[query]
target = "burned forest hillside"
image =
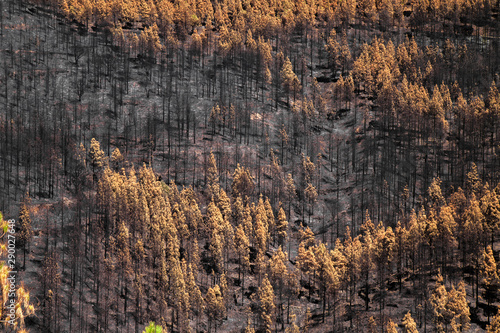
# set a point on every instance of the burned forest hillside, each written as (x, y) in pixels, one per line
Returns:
(249, 166)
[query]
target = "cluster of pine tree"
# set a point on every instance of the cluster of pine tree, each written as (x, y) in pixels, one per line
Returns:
(183, 258)
(182, 17)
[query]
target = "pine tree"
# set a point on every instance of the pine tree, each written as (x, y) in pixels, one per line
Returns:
(216, 224)
(473, 181)
(243, 183)
(307, 170)
(447, 230)
(224, 290)
(277, 266)
(289, 79)
(347, 11)
(401, 236)
(238, 211)
(116, 159)
(490, 207)
(214, 306)
(384, 248)
(391, 327)
(278, 271)
(96, 155)
(409, 325)
(386, 13)
(435, 194)
(179, 293)
(366, 261)
(271, 221)
(438, 300)
(328, 275)
(242, 246)
(224, 204)
(311, 195)
(450, 308)
(266, 305)
(281, 227)
(491, 280)
(458, 309)
(494, 327)
(122, 248)
(122, 251)
(306, 261)
(431, 231)
(346, 57)
(332, 46)
(339, 262)
(212, 176)
(194, 218)
(306, 236)
(248, 224)
(261, 227)
(216, 248)
(150, 41)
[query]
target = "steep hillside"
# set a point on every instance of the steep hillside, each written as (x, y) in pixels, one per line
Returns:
(160, 147)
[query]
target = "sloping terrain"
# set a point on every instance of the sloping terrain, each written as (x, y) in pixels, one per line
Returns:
(361, 122)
